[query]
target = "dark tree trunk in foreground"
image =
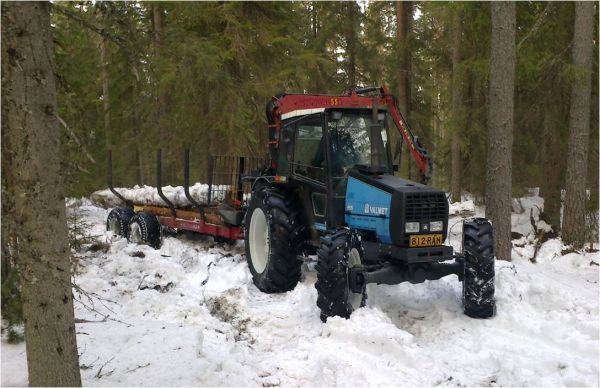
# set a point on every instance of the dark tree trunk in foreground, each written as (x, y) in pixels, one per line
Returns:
(455, 184)
(579, 125)
(498, 193)
(32, 133)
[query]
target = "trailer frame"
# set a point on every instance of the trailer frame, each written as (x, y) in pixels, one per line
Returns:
(220, 220)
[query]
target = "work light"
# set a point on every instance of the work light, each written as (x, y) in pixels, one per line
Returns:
(411, 227)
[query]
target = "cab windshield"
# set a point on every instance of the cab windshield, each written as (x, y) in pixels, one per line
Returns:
(350, 139)
(350, 143)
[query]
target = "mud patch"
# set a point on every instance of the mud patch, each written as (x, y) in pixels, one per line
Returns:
(226, 308)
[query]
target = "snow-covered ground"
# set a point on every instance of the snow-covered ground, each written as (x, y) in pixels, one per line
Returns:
(189, 314)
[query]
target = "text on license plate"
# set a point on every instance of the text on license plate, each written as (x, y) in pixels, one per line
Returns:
(425, 240)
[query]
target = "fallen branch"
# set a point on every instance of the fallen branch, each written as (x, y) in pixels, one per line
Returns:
(136, 368)
(99, 375)
(92, 308)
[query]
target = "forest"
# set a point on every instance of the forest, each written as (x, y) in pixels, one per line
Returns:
(133, 77)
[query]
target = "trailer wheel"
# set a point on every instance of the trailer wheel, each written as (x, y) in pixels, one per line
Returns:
(478, 279)
(272, 234)
(340, 250)
(144, 228)
(118, 219)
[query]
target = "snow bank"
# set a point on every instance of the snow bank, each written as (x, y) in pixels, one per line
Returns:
(148, 195)
(189, 315)
(465, 208)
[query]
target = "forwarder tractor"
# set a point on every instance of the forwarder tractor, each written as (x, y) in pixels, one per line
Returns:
(330, 189)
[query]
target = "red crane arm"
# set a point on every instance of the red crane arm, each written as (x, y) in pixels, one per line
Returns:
(417, 151)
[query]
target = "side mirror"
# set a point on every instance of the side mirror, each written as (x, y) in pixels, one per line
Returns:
(395, 168)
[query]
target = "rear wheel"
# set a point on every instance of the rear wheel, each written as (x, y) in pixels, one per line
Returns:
(144, 228)
(478, 280)
(273, 234)
(117, 221)
(340, 250)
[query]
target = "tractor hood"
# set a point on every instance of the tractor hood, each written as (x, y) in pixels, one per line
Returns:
(385, 203)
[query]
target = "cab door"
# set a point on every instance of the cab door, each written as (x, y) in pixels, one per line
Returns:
(307, 168)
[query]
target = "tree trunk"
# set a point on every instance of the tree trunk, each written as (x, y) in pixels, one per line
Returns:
(579, 126)
(135, 121)
(163, 132)
(351, 40)
(455, 186)
(105, 91)
(162, 101)
(33, 134)
(403, 15)
(551, 175)
(498, 195)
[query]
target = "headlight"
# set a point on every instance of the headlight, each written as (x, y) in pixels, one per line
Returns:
(436, 226)
(411, 227)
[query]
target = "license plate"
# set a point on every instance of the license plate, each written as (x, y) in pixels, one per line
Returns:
(425, 240)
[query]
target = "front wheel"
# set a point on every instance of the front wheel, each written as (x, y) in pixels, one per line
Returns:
(273, 233)
(340, 250)
(478, 279)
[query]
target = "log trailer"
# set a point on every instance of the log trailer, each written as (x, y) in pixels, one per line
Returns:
(328, 187)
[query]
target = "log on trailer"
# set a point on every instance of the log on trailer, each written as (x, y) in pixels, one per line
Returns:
(216, 208)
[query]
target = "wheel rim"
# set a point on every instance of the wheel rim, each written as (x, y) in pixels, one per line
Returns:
(354, 298)
(259, 240)
(114, 226)
(135, 233)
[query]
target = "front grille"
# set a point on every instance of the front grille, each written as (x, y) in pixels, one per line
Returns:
(426, 207)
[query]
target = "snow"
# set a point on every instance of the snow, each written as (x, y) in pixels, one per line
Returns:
(148, 195)
(465, 208)
(189, 314)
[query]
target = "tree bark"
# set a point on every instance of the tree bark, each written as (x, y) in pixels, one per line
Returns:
(162, 100)
(351, 40)
(31, 127)
(574, 228)
(498, 196)
(551, 166)
(457, 96)
(105, 91)
(403, 15)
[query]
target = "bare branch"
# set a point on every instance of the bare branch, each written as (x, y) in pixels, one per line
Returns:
(76, 139)
(91, 26)
(537, 24)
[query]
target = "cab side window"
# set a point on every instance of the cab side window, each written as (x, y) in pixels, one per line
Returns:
(309, 156)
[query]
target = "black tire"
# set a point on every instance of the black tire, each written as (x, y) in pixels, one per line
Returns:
(118, 221)
(333, 288)
(478, 279)
(144, 228)
(275, 266)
